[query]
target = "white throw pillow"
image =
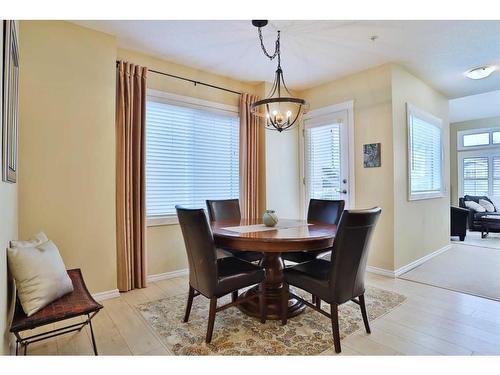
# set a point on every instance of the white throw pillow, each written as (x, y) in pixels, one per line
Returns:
(487, 205)
(39, 272)
(474, 206)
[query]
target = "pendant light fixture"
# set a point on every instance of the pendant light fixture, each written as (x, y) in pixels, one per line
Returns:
(280, 112)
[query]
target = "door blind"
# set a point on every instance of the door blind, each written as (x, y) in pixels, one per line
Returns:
(323, 164)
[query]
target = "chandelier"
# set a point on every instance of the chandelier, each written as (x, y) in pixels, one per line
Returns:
(281, 112)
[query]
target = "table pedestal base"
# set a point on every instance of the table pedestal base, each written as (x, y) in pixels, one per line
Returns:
(273, 289)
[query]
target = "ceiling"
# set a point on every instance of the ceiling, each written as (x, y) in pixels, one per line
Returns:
(314, 52)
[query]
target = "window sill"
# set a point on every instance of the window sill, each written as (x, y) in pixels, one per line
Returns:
(424, 196)
(163, 220)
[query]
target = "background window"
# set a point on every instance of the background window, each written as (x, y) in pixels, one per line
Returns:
(496, 137)
(192, 154)
(475, 178)
(425, 155)
(478, 139)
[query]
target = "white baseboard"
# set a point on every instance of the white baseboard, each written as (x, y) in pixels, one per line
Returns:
(409, 266)
(108, 294)
(418, 262)
(380, 271)
(168, 275)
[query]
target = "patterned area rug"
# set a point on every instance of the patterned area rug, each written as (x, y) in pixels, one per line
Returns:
(235, 333)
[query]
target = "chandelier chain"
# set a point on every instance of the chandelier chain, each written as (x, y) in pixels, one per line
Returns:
(276, 47)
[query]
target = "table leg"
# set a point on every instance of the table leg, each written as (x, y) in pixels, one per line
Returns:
(273, 288)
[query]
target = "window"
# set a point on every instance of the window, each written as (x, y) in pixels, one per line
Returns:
(480, 173)
(192, 154)
(496, 137)
(475, 175)
(478, 139)
(425, 157)
(323, 166)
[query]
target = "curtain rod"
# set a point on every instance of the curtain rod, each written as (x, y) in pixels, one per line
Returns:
(191, 80)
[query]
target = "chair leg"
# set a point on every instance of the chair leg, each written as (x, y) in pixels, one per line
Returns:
(334, 311)
(262, 303)
(284, 304)
(318, 302)
(363, 312)
(234, 296)
(211, 319)
(94, 346)
(313, 299)
(189, 304)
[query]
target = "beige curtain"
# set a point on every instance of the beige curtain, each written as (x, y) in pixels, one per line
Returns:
(130, 176)
(249, 158)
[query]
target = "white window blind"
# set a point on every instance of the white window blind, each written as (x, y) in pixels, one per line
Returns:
(323, 165)
(192, 154)
(425, 155)
(496, 176)
(475, 178)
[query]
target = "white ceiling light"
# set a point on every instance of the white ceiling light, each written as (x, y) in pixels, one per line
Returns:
(481, 72)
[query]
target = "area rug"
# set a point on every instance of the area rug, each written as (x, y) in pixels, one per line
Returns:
(235, 333)
(463, 268)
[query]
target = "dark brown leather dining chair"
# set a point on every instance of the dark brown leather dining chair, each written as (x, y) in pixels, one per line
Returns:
(229, 210)
(319, 211)
(212, 277)
(343, 278)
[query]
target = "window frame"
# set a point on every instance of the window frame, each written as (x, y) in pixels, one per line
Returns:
(490, 153)
(189, 102)
(462, 133)
(413, 111)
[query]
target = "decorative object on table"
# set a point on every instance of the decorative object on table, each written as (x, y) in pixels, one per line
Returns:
(270, 219)
(280, 112)
(238, 334)
(39, 272)
(371, 155)
(10, 99)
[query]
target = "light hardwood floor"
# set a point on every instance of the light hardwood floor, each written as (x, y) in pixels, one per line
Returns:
(432, 321)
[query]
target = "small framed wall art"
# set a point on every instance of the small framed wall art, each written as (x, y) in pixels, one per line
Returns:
(371, 155)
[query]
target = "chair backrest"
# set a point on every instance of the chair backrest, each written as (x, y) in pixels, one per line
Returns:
(200, 248)
(350, 253)
(224, 209)
(325, 211)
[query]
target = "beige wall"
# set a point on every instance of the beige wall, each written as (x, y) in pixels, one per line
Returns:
(165, 246)
(491, 122)
(422, 226)
(8, 231)
(371, 92)
(66, 144)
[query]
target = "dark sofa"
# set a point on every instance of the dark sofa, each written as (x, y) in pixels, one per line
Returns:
(458, 222)
(473, 220)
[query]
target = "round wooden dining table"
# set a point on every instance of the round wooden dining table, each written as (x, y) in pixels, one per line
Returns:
(287, 236)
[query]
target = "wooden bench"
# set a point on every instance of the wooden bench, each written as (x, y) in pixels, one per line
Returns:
(74, 304)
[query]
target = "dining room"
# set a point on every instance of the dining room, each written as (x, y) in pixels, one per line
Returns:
(207, 187)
